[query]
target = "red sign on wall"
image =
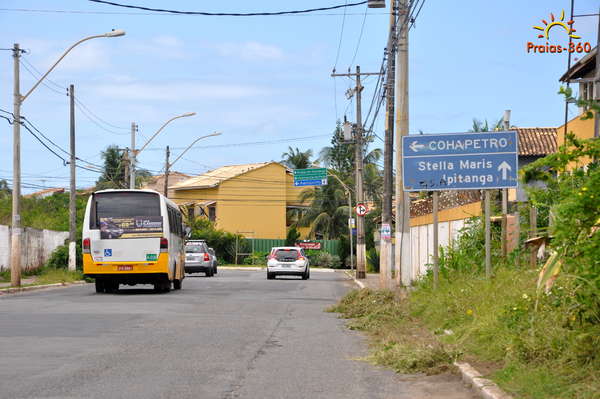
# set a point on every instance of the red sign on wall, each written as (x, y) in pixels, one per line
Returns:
(309, 245)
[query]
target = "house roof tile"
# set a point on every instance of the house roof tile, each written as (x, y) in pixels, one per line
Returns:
(536, 140)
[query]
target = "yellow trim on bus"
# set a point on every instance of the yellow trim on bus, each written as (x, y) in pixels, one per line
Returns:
(160, 266)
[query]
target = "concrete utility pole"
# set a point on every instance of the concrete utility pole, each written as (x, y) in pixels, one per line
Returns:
(72, 190)
(402, 255)
(166, 189)
(126, 165)
(506, 125)
(15, 244)
(436, 249)
(386, 256)
(488, 234)
(132, 158)
(361, 253)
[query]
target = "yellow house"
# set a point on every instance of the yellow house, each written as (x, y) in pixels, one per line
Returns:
(250, 199)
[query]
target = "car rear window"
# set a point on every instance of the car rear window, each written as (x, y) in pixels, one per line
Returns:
(195, 247)
(286, 255)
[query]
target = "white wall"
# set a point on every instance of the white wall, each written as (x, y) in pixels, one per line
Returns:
(37, 245)
(421, 238)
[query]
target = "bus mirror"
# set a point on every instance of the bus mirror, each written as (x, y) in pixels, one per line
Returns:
(188, 231)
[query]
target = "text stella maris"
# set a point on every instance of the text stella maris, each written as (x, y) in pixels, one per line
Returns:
(451, 165)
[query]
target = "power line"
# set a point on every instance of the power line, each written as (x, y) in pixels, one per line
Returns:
(337, 56)
(223, 14)
(362, 28)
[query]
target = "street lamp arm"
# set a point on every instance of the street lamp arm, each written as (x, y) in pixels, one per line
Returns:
(109, 34)
(191, 145)
(339, 180)
(137, 152)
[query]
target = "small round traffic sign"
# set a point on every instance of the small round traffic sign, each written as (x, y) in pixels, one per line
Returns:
(361, 209)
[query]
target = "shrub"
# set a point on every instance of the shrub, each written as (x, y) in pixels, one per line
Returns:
(59, 259)
(372, 261)
(256, 258)
(292, 237)
(325, 259)
(222, 242)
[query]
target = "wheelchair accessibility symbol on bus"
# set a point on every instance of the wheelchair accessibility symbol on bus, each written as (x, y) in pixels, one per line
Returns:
(108, 252)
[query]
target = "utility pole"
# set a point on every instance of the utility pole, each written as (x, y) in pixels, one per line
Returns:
(361, 253)
(133, 157)
(126, 166)
(386, 256)
(15, 245)
(506, 122)
(73, 190)
(488, 234)
(436, 249)
(402, 255)
(166, 190)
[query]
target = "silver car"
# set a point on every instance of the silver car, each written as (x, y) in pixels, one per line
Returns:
(198, 258)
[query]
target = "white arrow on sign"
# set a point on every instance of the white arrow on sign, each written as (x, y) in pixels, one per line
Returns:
(415, 146)
(504, 167)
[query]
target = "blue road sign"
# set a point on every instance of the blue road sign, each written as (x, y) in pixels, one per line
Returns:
(310, 177)
(459, 161)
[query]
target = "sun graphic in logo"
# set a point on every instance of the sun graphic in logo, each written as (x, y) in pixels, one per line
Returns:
(567, 26)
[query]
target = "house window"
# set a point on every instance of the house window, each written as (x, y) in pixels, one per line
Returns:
(212, 213)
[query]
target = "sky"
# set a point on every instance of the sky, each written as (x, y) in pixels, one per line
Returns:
(264, 82)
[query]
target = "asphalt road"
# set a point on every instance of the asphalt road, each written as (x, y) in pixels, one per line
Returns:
(236, 335)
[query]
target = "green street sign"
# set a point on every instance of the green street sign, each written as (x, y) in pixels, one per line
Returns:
(310, 177)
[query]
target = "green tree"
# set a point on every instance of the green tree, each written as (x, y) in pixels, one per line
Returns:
(296, 159)
(484, 126)
(339, 156)
(327, 212)
(113, 175)
(5, 191)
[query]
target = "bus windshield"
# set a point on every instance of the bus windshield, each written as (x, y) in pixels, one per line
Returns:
(123, 205)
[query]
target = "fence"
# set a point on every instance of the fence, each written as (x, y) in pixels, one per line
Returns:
(36, 246)
(265, 245)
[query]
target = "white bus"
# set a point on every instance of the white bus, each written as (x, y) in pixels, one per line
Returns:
(133, 237)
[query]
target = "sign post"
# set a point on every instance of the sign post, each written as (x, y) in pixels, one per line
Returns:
(461, 161)
(310, 177)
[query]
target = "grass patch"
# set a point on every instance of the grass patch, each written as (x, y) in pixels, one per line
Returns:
(52, 276)
(46, 275)
(398, 340)
(546, 353)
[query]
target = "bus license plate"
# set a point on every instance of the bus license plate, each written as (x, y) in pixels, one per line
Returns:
(124, 268)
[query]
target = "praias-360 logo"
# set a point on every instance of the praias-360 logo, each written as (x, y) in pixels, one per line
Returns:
(555, 26)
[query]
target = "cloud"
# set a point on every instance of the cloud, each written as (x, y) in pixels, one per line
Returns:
(250, 51)
(86, 56)
(181, 91)
(163, 46)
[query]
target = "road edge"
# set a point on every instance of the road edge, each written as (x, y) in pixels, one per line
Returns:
(358, 282)
(14, 290)
(487, 389)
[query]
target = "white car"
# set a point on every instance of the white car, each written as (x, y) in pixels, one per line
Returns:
(287, 261)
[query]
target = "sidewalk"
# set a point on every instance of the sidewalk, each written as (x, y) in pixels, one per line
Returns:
(24, 281)
(372, 280)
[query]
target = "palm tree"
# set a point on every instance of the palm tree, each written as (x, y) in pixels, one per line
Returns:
(327, 211)
(296, 159)
(113, 175)
(483, 126)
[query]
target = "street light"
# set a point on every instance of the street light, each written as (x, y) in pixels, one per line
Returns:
(18, 99)
(135, 153)
(168, 165)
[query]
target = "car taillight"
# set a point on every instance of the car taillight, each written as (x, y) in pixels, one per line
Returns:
(86, 245)
(164, 244)
(301, 258)
(206, 257)
(270, 257)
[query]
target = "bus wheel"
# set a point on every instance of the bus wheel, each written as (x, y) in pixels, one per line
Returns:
(111, 287)
(99, 286)
(177, 284)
